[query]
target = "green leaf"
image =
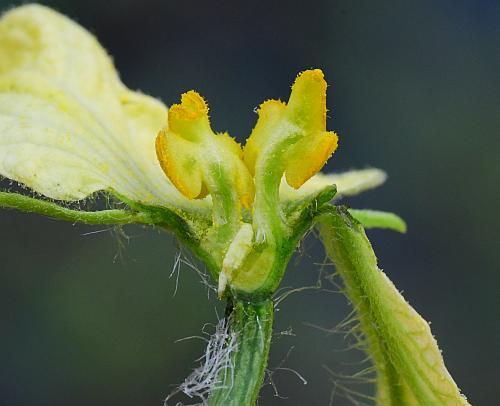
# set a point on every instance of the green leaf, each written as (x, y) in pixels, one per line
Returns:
(379, 219)
(409, 365)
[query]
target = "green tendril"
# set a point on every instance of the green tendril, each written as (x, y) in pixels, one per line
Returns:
(379, 219)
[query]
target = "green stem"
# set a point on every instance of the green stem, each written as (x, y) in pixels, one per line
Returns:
(252, 322)
(410, 368)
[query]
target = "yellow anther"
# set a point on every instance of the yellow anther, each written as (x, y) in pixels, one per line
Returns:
(193, 156)
(307, 103)
(192, 107)
(302, 121)
(178, 158)
(308, 156)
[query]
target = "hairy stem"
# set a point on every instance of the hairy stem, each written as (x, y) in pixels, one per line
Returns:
(253, 323)
(410, 368)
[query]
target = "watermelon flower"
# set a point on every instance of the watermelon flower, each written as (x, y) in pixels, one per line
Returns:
(69, 128)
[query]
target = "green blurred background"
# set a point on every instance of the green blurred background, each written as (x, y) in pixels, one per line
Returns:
(90, 318)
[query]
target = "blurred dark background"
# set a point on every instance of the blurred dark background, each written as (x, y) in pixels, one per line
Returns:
(88, 317)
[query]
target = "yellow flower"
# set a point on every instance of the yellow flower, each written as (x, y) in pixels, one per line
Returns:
(69, 127)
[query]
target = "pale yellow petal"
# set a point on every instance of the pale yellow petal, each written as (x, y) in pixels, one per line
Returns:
(348, 183)
(68, 126)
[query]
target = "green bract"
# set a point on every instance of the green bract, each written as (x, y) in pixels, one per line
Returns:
(69, 128)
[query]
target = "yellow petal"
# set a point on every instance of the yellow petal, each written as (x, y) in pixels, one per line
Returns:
(68, 126)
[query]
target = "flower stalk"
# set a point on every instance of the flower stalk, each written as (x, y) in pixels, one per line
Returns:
(241, 381)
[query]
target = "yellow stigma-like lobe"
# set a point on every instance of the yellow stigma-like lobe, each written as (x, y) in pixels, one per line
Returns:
(303, 118)
(193, 156)
(190, 118)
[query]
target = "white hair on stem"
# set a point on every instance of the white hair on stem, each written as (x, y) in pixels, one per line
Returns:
(355, 388)
(183, 258)
(216, 370)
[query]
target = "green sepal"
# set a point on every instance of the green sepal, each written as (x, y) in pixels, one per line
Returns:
(299, 218)
(28, 204)
(379, 219)
(308, 205)
(189, 228)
